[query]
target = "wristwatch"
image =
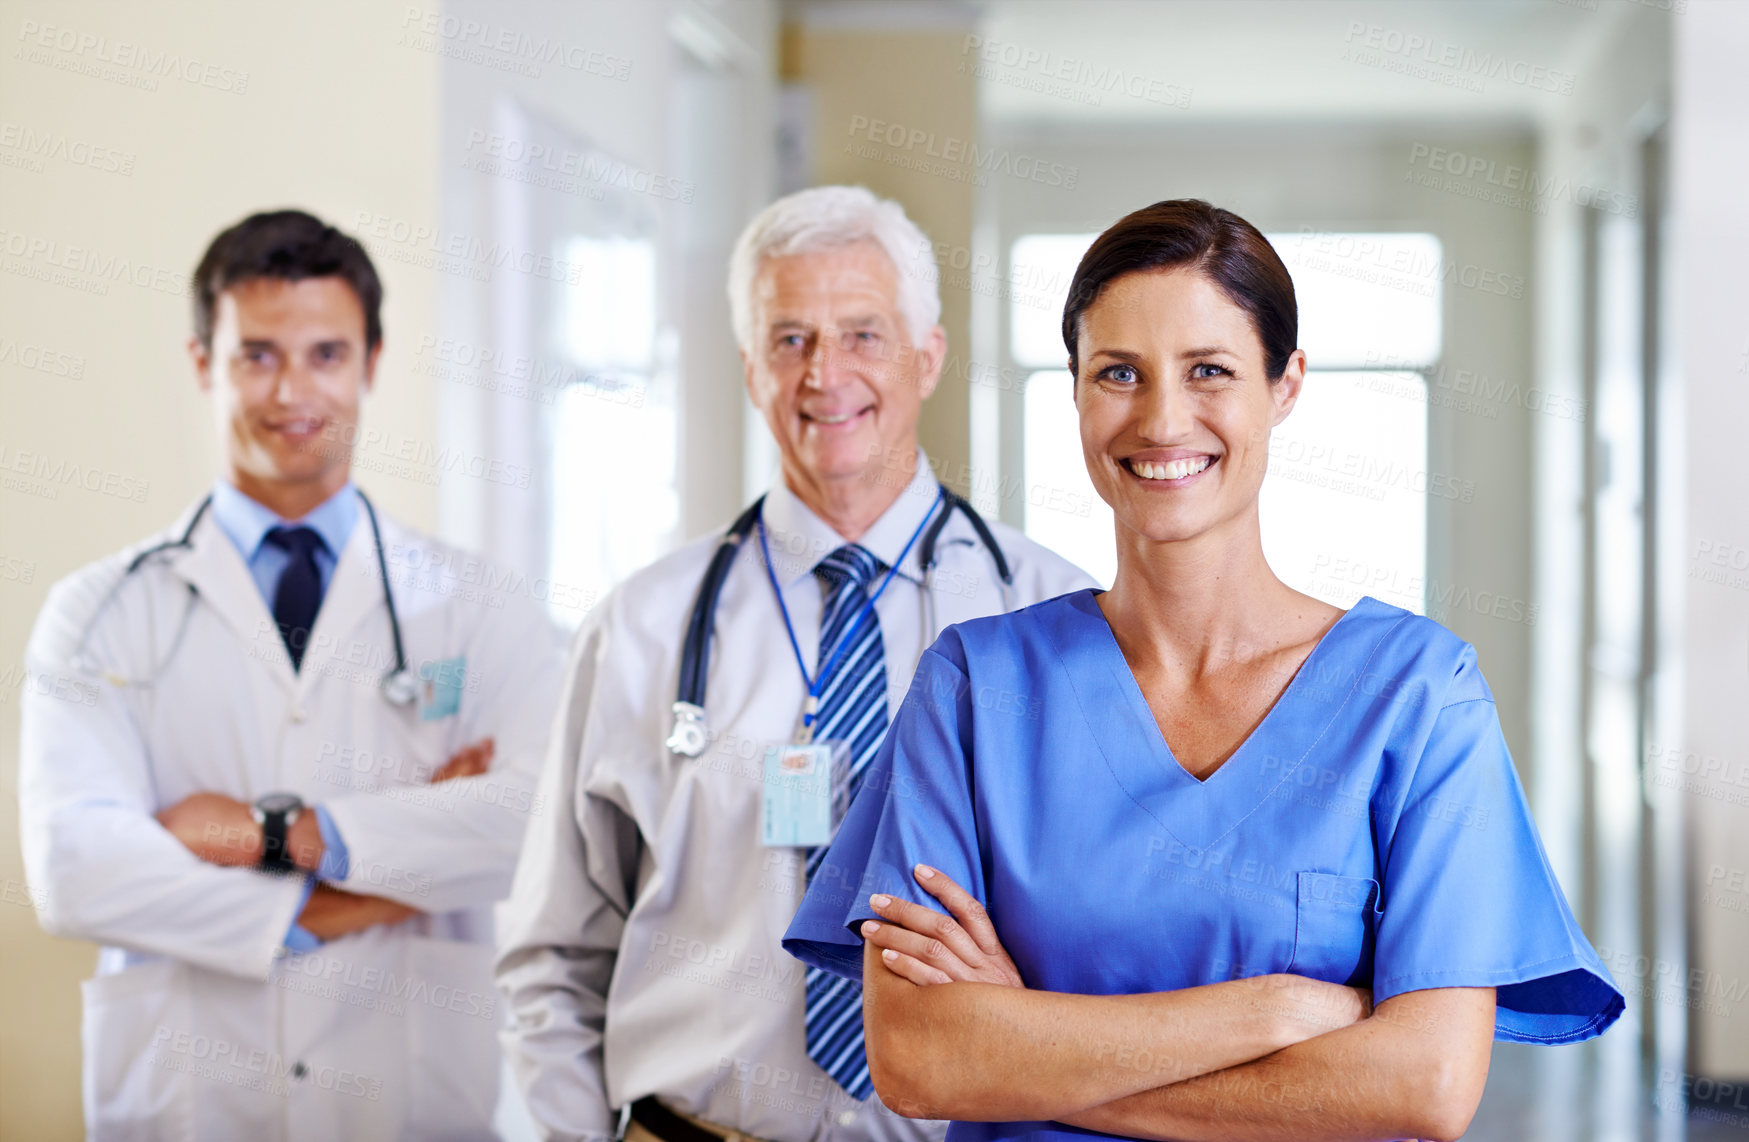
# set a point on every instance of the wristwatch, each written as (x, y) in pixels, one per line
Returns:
(275, 813)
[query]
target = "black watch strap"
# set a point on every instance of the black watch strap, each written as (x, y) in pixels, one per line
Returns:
(274, 854)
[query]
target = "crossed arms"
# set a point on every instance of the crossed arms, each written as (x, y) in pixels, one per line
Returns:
(221, 830)
(1266, 1058)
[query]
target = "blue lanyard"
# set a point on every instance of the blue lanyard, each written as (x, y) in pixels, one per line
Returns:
(811, 708)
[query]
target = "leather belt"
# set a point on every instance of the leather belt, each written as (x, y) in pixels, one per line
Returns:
(669, 1126)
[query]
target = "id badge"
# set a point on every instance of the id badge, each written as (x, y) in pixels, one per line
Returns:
(797, 808)
(440, 687)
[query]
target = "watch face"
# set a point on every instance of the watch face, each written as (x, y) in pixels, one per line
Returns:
(279, 803)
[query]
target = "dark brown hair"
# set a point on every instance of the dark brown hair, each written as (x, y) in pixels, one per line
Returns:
(1224, 247)
(290, 245)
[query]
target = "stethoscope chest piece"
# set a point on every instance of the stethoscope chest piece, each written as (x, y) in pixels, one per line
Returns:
(688, 737)
(400, 688)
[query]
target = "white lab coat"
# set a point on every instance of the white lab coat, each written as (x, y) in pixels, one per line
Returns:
(198, 1025)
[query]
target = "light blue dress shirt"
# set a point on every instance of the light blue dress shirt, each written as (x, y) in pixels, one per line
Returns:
(246, 522)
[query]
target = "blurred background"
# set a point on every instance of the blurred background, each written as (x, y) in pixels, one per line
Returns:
(1517, 230)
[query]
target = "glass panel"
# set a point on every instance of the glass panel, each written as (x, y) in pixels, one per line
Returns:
(615, 416)
(1063, 512)
(599, 537)
(1368, 300)
(1040, 267)
(1344, 508)
(609, 323)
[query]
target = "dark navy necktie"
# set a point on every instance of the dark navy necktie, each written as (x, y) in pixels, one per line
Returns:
(299, 595)
(853, 710)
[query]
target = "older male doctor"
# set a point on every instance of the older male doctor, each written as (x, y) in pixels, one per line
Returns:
(286, 761)
(640, 949)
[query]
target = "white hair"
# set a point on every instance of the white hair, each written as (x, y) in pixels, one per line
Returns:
(824, 217)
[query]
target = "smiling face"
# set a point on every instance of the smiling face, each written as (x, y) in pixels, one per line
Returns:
(286, 370)
(1176, 406)
(833, 367)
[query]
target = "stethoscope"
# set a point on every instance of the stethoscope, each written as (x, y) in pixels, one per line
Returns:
(690, 734)
(399, 686)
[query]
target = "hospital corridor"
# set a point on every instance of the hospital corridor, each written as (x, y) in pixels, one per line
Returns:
(874, 570)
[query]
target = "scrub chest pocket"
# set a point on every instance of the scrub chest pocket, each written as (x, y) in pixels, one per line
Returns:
(1336, 920)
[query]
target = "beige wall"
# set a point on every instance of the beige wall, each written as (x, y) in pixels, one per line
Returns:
(328, 112)
(873, 83)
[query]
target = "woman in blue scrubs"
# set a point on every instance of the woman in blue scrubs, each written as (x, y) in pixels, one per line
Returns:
(1227, 862)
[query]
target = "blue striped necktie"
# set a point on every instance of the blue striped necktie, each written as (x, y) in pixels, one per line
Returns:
(853, 709)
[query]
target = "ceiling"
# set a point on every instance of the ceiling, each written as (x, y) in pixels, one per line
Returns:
(1119, 62)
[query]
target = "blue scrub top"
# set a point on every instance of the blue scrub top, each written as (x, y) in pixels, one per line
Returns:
(1371, 830)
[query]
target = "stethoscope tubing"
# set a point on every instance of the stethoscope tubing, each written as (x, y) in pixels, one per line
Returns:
(689, 734)
(397, 685)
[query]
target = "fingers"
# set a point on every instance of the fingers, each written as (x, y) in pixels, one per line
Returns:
(469, 761)
(908, 967)
(964, 906)
(930, 924)
(926, 950)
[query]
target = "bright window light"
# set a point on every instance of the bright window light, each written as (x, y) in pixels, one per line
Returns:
(610, 320)
(1039, 273)
(1344, 507)
(614, 502)
(1367, 301)
(1063, 512)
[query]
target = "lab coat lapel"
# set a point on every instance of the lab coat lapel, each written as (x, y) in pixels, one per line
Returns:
(214, 567)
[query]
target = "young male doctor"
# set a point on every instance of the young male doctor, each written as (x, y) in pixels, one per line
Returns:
(288, 761)
(693, 779)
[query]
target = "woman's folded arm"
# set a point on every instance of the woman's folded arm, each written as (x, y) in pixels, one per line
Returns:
(1414, 1068)
(982, 1052)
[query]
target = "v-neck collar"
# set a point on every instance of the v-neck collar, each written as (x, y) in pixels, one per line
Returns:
(1138, 755)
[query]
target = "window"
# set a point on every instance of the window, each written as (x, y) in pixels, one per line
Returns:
(1344, 508)
(614, 501)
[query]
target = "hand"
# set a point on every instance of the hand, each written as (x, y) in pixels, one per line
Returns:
(1311, 1007)
(333, 912)
(925, 947)
(469, 761)
(216, 828)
